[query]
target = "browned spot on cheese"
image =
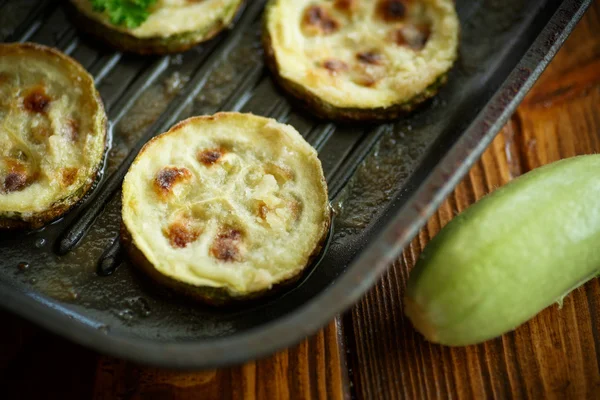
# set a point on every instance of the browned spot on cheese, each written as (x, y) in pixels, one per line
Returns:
(210, 156)
(368, 82)
(370, 57)
(263, 210)
(180, 233)
(15, 181)
(13, 163)
(68, 176)
(295, 206)
(72, 129)
(364, 78)
(281, 173)
(318, 21)
(335, 66)
(345, 5)
(17, 178)
(37, 101)
(391, 10)
(226, 246)
(413, 36)
(168, 177)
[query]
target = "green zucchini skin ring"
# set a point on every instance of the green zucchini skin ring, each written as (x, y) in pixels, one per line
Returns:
(126, 42)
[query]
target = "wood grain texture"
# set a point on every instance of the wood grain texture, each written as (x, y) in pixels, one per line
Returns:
(35, 364)
(555, 355)
(314, 369)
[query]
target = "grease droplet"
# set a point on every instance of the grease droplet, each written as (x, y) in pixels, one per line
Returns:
(139, 306)
(72, 294)
(126, 314)
(177, 59)
(23, 266)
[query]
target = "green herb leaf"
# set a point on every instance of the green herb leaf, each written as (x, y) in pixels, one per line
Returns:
(129, 13)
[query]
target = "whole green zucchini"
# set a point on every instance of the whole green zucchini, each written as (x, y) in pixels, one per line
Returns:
(510, 255)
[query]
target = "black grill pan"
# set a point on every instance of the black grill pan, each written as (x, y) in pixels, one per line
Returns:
(384, 180)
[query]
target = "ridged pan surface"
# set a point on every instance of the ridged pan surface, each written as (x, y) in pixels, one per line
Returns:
(384, 180)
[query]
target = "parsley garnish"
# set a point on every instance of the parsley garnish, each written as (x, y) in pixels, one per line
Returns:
(130, 13)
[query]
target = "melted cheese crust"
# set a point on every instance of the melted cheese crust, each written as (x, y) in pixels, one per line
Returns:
(231, 201)
(52, 129)
(172, 17)
(363, 54)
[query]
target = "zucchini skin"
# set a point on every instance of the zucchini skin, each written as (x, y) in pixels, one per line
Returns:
(510, 255)
(325, 110)
(157, 45)
(38, 220)
(212, 296)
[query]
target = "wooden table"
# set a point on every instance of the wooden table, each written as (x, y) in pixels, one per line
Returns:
(372, 351)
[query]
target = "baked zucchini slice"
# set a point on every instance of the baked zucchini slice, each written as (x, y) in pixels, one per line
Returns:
(226, 207)
(52, 134)
(361, 59)
(172, 25)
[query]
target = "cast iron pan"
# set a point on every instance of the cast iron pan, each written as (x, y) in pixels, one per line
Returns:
(385, 180)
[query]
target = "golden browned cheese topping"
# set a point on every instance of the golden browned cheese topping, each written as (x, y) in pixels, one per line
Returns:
(226, 246)
(211, 156)
(180, 233)
(168, 177)
(318, 21)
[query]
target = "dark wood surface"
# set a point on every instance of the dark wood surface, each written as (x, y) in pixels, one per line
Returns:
(372, 352)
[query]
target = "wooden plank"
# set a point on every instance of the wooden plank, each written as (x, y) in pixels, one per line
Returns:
(14, 336)
(555, 355)
(315, 369)
(39, 365)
